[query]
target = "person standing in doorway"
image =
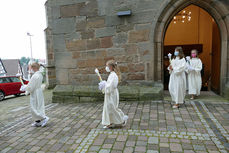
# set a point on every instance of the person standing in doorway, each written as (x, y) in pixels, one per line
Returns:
(177, 80)
(194, 66)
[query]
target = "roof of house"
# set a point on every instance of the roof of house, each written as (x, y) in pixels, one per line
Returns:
(2, 68)
(11, 66)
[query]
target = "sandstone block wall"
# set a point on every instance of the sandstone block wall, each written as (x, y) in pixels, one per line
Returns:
(84, 34)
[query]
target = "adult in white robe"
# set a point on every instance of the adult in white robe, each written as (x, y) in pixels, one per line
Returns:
(194, 66)
(112, 115)
(177, 80)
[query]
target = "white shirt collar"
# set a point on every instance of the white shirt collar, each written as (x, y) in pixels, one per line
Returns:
(177, 57)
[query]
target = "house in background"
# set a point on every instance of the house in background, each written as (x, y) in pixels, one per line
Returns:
(13, 67)
(2, 69)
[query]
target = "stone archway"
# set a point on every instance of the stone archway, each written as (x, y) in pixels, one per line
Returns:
(216, 9)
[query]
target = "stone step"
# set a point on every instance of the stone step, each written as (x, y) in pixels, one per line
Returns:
(71, 93)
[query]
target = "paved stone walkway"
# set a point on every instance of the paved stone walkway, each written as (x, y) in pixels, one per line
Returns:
(12, 108)
(152, 127)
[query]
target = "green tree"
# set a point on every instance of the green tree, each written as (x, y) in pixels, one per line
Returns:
(24, 60)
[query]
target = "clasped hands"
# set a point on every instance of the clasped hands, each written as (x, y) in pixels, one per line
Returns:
(190, 68)
(102, 85)
(23, 87)
(170, 67)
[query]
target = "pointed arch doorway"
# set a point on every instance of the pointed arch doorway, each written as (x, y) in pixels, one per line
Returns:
(218, 11)
(194, 28)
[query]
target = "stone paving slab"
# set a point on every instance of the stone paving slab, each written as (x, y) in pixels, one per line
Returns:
(12, 108)
(152, 127)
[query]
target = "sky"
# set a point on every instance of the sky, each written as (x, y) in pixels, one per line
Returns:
(17, 18)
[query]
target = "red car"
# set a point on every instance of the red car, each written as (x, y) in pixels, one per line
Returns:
(10, 85)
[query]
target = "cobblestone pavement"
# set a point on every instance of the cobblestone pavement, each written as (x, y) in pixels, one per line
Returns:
(12, 108)
(152, 127)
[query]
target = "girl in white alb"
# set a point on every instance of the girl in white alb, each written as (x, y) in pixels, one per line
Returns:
(194, 66)
(112, 116)
(177, 80)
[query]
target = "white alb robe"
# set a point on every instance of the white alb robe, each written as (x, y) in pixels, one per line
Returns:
(194, 76)
(111, 113)
(36, 96)
(177, 80)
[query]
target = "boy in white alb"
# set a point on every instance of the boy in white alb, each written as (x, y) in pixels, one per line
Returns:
(36, 97)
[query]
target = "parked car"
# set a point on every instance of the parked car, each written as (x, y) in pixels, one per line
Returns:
(10, 85)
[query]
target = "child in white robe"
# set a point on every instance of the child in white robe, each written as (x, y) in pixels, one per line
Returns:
(36, 97)
(194, 66)
(177, 80)
(112, 116)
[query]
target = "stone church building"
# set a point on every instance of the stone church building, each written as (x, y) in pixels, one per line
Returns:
(83, 34)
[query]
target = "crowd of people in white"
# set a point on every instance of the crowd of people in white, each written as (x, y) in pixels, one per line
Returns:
(179, 68)
(112, 116)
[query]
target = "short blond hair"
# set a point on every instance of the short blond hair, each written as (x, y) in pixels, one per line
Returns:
(35, 65)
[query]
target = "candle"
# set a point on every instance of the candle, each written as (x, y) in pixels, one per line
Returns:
(21, 80)
(170, 55)
(97, 72)
(188, 59)
(100, 78)
(19, 77)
